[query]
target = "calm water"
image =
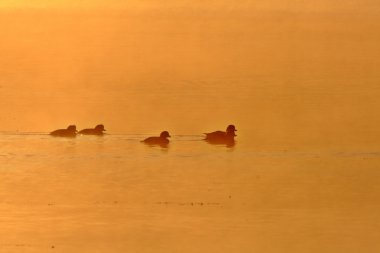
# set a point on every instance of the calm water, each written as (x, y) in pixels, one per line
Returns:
(115, 194)
(302, 89)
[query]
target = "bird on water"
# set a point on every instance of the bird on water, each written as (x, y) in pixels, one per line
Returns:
(70, 131)
(161, 140)
(221, 137)
(98, 130)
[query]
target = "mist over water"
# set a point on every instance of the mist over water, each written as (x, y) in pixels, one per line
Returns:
(269, 72)
(301, 87)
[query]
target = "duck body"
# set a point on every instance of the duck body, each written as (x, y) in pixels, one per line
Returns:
(70, 131)
(221, 137)
(156, 141)
(218, 136)
(159, 140)
(98, 130)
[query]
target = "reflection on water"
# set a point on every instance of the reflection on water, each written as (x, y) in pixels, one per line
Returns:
(227, 143)
(112, 194)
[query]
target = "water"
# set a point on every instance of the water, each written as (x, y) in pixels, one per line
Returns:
(113, 194)
(301, 88)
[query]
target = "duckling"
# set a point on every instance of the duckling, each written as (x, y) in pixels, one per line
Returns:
(220, 137)
(98, 130)
(70, 131)
(161, 140)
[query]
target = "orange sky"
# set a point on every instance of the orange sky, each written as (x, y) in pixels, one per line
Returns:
(295, 5)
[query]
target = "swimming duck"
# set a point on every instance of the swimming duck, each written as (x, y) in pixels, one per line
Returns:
(98, 130)
(161, 140)
(70, 131)
(220, 137)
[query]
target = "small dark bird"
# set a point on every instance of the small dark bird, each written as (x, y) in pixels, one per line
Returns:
(98, 130)
(220, 137)
(162, 140)
(70, 131)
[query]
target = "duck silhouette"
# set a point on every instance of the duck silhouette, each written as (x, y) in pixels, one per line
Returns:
(70, 131)
(98, 130)
(221, 137)
(161, 140)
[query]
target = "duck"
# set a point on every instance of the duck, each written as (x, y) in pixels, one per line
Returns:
(161, 140)
(221, 137)
(70, 131)
(98, 130)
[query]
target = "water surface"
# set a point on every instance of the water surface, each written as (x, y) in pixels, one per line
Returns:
(113, 194)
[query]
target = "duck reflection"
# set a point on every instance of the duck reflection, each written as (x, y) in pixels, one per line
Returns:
(161, 140)
(70, 131)
(222, 138)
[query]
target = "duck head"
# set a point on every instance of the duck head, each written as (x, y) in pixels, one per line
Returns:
(72, 128)
(165, 134)
(100, 128)
(231, 130)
